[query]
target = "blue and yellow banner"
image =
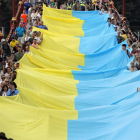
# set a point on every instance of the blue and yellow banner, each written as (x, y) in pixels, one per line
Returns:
(76, 86)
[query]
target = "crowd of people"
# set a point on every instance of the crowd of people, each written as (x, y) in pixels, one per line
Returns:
(23, 37)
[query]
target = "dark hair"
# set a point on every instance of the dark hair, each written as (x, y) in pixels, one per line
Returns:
(130, 42)
(123, 31)
(14, 84)
(4, 87)
(3, 138)
(124, 45)
(13, 37)
(9, 68)
(2, 134)
(134, 46)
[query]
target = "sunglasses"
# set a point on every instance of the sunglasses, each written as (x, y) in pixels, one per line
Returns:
(3, 78)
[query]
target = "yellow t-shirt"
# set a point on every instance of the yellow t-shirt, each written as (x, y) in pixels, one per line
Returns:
(94, 2)
(124, 36)
(13, 43)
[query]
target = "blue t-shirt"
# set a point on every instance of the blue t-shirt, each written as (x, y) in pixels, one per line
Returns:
(20, 31)
(12, 93)
(42, 27)
(27, 5)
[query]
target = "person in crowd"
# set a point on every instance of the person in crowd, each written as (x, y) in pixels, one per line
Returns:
(27, 6)
(90, 7)
(133, 67)
(58, 4)
(119, 38)
(13, 42)
(29, 14)
(4, 90)
(15, 49)
(69, 5)
(17, 64)
(64, 6)
(19, 54)
(116, 26)
(123, 34)
(2, 78)
(24, 17)
(129, 42)
(126, 50)
(39, 38)
(20, 31)
(134, 51)
(39, 15)
(82, 3)
(41, 26)
(27, 49)
(6, 49)
(8, 71)
(12, 89)
(138, 63)
(102, 12)
(35, 44)
(33, 15)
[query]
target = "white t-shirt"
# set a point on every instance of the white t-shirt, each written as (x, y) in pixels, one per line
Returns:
(33, 16)
(37, 39)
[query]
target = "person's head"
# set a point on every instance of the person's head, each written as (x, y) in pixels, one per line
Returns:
(129, 42)
(40, 12)
(27, 1)
(2, 134)
(134, 47)
(33, 11)
(65, 3)
(129, 35)
(124, 46)
(33, 35)
(12, 55)
(5, 88)
(27, 49)
(138, 59)
(109, 19)
(118, 33)
(17, 44)
(20, 24)
(27, 43)
(34, 41)
(17, 64)
(123, 32)
(102, 10)
(15, 73)
(12, 85)
(19, 49)
(9, 70)
(110, 10)
(3, 41)
(41, 23)
(6, 82)
(24, 12)
(69, 1)
(13, 39)
(10, 63)
(3, 77)
(132, 64)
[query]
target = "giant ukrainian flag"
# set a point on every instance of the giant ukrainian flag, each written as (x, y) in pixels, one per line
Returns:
(75, 86)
